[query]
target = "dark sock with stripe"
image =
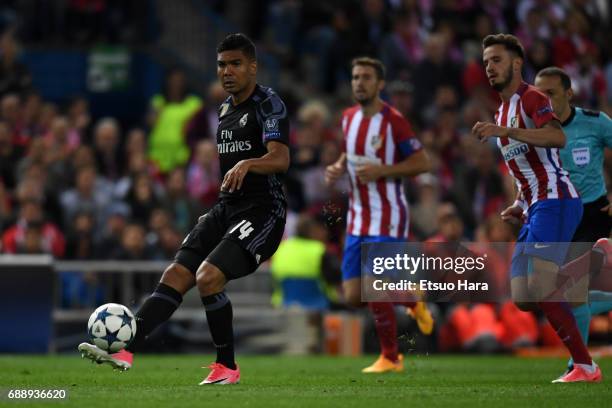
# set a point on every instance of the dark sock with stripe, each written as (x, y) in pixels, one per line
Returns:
(156, 310)
(219, 315)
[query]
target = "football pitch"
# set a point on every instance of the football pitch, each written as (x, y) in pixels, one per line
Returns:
(274, 381)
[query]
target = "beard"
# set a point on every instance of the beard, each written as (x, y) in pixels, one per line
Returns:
(508, 78)
(365, 100)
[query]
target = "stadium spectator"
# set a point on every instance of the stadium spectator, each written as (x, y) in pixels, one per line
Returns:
(142, 198)
(32, 234)
(450, 225)
(14, 76)
(137, 165)
(134, 246)
(535, 28)
(478, 191)
(306, 157)
(10, 113)
(588, 80)
(572, 41)
(435, 70)
(305, 275)
(423, 213)
(10, 155)
(443, 140)
(136, 143)
(58, 148)
(107, 148)
(32, 109)
(401, 96)
(538, 57)
(170, 113)
(48, 113)
(110, 239)
(83, 156)
(32, 186)
(552, 10)
(80, 241)
(203, 174)
(203, 124)
(79, 119)
(91, 193)
(169, 242)
(176, 200)
(6, 210)
(403, 47)
(160, 219)
(376, 22)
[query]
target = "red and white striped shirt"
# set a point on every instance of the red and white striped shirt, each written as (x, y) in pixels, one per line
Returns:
(377, 208)
(537, 170)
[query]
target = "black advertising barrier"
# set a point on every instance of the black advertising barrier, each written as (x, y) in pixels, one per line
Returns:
(26, 303)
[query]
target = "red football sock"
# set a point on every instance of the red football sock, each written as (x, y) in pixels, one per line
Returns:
(386, 328)
(562, 320)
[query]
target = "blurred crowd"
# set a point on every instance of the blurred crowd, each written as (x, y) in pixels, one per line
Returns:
(435, 77)
(79, 22)
(83, 187)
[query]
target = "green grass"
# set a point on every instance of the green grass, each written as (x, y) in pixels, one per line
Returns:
(273, 381)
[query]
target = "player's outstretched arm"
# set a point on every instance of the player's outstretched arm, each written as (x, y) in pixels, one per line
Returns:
(275, 161)
(549, 135)
(413, 165)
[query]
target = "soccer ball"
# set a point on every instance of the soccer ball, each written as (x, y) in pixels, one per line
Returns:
(111, 327)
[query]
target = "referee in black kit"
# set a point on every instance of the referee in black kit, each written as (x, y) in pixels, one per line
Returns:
(245, 226)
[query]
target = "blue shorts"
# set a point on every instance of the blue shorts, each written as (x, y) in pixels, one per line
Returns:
(551, 224)
(351, 258)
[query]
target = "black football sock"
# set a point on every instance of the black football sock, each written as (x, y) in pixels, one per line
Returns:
(156, 310)
(219, 315)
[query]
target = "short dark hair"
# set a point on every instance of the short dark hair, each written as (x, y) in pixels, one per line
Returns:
(510, 42)
(377, 64)
(556, 71)
(238, 41)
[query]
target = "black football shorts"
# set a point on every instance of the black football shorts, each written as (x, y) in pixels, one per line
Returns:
(235, 235)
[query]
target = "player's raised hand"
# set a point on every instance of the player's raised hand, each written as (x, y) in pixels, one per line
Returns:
(235, 176)
(484, 130)
(513, 215)
(334, 171)
(369, 172)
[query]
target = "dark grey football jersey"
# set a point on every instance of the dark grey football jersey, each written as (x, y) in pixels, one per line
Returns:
(243, 132)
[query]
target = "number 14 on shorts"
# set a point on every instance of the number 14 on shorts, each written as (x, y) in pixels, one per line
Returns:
(245, 229)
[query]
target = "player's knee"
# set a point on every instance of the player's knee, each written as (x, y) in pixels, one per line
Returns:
(178, 277)
(209, 279)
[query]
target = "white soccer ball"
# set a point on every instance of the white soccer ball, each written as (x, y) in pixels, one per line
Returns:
(111, 327)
